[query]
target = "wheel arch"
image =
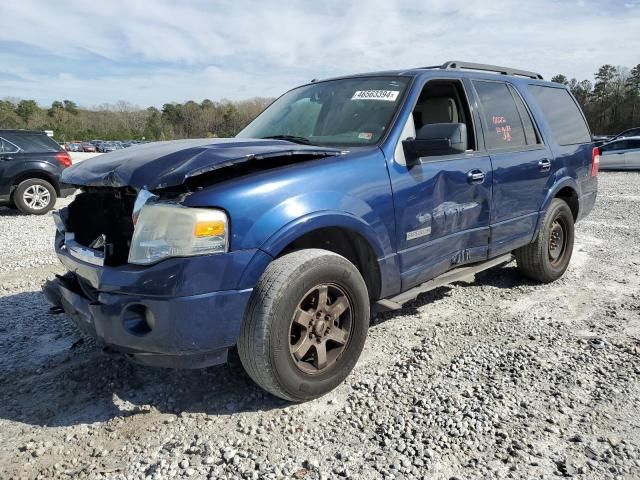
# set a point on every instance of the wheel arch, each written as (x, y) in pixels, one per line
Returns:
(337, 232)
(570, 196)
(347, 243)
(40, 174)
(567, 189)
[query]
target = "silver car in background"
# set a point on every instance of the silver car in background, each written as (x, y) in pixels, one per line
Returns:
(621, 154)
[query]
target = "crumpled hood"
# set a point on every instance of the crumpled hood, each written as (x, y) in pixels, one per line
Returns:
(165, 164)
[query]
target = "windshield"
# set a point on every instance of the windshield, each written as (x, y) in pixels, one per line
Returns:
(347, 112)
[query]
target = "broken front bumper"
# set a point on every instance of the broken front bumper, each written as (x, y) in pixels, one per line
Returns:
(181, 313)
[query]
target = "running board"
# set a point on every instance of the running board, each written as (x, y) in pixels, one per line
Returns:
(455, 275)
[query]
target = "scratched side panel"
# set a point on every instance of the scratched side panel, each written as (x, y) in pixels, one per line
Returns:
(436, 197)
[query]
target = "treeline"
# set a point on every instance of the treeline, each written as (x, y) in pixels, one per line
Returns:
(124, 121)
(611, 103)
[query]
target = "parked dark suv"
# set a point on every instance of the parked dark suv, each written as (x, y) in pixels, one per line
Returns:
(30, 168)
(360, 190)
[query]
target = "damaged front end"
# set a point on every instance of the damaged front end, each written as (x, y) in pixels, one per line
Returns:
(147, 275)
(159, 313)
(97, 227)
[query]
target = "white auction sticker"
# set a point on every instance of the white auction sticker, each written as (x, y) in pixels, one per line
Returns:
(385, 95)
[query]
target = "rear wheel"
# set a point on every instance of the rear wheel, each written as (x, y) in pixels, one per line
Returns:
(34, 196)
(547, 258)
(306, 324)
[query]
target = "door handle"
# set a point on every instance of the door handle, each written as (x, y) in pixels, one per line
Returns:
(475, 176)
(6, 158)
(544, 164)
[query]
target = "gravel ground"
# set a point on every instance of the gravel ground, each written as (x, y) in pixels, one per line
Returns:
(501, 378)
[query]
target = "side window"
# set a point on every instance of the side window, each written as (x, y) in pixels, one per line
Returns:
(444, 101)
(36, 143)
(6, 147)
(501, 116)
(530, 134)
(612, 147)
(563, 115)
(634, 144)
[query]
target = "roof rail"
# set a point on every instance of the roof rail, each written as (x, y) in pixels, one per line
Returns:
(457, 65)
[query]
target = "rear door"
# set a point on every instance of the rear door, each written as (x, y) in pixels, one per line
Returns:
(10, 155)
(522, 164)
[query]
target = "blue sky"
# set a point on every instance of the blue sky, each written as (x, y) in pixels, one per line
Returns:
(149, 52)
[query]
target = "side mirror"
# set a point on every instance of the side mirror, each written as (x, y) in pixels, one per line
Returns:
(436, 139)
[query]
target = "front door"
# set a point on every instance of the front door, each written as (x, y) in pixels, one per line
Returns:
(442, 203)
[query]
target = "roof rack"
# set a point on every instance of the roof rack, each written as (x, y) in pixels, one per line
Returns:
(457, 65)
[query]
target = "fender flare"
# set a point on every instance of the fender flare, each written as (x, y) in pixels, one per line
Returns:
(551, 194)
(277, 242)
(317, 220)
(42, 174)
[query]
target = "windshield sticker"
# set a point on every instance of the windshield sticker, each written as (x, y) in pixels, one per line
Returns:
(365, 135)
(384, 95)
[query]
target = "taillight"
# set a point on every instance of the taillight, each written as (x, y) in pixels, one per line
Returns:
(64, 159)
(595, 161)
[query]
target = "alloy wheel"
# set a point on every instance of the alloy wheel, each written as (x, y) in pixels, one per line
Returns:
(36, 197)
(320, 328)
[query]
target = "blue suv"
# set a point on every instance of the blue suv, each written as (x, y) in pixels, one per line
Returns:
(344, 193)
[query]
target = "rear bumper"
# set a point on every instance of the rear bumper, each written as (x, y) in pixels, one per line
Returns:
(179, 313)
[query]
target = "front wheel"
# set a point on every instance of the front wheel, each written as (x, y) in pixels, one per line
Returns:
(34, 196)
(547, 258)
(305, 325)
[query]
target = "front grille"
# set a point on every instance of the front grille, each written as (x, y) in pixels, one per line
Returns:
(100, 218)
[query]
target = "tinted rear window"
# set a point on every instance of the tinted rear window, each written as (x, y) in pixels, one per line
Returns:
(563, 115)
(33, 142)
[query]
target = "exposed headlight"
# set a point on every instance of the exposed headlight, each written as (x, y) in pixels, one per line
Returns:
(166, 230)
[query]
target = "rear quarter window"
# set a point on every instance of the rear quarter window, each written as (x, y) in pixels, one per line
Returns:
(563, 115)
(34, 143)
(6, 147)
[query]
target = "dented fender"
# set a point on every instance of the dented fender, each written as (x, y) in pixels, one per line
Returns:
(270, 209)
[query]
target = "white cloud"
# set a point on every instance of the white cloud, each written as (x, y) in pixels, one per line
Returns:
(202, 48)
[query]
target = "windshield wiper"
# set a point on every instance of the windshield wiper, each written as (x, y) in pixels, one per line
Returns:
(290, 138)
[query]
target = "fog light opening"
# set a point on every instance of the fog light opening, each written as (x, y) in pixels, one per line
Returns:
(137, 320)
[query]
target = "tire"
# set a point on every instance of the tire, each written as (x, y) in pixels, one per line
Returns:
(272, 339)
(34, 196)
(547, 258)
